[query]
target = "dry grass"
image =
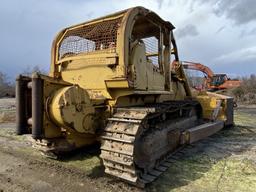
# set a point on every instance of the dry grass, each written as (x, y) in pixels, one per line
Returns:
(7, 110)
(7, 117)
(222, 162)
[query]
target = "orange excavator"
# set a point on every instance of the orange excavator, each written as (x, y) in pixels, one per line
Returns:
(213, 82)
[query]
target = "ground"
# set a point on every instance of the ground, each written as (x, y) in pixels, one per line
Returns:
(225, 161)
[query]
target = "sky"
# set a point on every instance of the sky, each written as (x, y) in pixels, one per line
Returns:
(218, 33)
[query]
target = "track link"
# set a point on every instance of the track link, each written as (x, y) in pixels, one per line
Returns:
(117, 149)
(119, 142)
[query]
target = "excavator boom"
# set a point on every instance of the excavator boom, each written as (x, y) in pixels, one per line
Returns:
(198, 67)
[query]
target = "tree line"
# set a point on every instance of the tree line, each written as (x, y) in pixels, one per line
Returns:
(7, 86)
(246, 93)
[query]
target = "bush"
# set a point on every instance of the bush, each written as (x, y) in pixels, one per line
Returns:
(238, 92)
(246, 93)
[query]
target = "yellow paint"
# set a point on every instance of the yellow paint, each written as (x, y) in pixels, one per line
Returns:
(87, 80)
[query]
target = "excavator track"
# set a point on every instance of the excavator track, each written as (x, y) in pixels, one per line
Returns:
(130, 128)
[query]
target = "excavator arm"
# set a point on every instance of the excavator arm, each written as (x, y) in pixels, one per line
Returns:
(198, 67)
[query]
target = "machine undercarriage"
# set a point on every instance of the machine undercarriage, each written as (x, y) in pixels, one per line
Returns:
(138, 141)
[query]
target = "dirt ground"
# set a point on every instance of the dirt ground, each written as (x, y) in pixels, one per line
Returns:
(225, 161)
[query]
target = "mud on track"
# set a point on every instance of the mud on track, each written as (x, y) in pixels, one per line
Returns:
(225, 161)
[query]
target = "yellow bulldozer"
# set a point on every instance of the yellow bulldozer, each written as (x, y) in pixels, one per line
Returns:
(110, 81)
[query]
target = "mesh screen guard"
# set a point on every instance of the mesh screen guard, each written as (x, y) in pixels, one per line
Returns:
(99, 37)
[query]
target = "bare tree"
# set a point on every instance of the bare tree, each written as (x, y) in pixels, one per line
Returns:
(7, 89)
(247, 91)
(28, 71)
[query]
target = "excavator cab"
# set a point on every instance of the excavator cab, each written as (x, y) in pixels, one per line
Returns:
(218, 79)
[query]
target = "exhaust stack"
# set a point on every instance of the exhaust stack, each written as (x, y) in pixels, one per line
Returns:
(23, 104)
(29, 103)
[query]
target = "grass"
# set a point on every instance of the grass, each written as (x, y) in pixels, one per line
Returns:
(87, 160)
(223, 162)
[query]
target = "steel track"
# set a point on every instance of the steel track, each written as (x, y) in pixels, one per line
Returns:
(124, 128)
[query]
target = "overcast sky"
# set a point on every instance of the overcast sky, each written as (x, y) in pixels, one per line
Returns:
(217, 33)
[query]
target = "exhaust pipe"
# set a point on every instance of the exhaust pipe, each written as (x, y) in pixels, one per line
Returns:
(37, 106)
(29, 104)
(23, 95)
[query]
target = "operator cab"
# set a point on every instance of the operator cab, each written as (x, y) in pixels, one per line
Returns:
(147, 58)
(218, 79)
(149, 47)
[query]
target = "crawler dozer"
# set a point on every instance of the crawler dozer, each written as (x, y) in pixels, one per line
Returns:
(110, 81)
